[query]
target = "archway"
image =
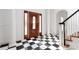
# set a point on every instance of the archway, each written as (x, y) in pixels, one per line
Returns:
(61, 16)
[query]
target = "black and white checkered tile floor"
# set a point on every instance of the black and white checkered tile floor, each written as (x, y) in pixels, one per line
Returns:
(40, 43)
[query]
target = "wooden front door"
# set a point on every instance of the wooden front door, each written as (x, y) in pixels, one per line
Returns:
(33, 24)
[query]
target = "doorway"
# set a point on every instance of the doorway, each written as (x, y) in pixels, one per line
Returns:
(32, 24)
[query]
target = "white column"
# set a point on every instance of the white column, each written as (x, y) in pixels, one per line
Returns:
(48, 21)
(13, 29)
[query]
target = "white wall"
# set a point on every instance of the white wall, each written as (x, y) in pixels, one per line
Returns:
(11, 26)
(53, 21)
(19, 21)
(5, 26)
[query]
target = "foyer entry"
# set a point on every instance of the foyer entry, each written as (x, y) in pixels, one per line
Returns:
(32, 24)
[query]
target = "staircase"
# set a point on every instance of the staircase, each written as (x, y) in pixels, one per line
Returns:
(71, 29)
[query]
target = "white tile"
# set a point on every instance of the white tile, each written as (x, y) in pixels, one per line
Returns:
(50, 40)
(32, 38)
(51, 43)
(44, 39)
(49, 37)
(39, 36)
(30, 41)
(12, 48)
(24, 40)
(43, 46)
(57, 43)
(26, 45)
(36, 41)
(34, 46)
(43, 42)
(44, 36)
(18, 44)
(52, 47)
(4, 48)
(61, 48)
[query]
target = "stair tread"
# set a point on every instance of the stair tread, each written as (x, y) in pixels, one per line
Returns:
(66, 46)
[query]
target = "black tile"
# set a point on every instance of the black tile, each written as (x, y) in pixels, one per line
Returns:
(46, 40)
(28, 39)
(41, 37)
(29, 48)
(31, 43)
(57, 37)
(51, 35)
(38, 48)
(52, 38)
(47, 44)
(39, 44)
(56, 45)
(4, 45)
(25, 42)
(47, 49)
(18, 41)
(19, 47)
(41, 40)
(34, 39)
